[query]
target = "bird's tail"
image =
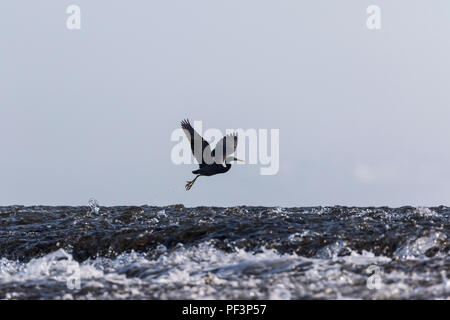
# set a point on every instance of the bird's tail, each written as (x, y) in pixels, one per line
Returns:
(196, 171)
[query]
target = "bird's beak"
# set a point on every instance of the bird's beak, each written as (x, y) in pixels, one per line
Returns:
(236, 159)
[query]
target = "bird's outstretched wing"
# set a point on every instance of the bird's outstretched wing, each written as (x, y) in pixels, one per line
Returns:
(198, 144)
(226, 146)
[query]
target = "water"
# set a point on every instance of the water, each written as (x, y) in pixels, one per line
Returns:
(242, 252)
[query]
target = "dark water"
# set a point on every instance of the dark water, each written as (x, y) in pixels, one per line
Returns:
(175, 252)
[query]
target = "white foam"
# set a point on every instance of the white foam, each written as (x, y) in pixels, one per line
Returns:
(204, 272)
(416, 248)
(426, 212)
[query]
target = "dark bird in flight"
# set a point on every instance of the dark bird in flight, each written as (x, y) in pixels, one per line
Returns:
(210, 163)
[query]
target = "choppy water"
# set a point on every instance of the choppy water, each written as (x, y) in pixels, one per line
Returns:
(175, 252)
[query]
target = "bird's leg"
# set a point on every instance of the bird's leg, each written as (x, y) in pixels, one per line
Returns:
(189, 184)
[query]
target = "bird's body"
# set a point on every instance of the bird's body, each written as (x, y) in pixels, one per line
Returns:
(210, 162)
(212, 169)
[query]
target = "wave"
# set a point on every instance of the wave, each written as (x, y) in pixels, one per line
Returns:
(175, 252)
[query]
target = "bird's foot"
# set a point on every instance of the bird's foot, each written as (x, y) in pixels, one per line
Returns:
(189, 185)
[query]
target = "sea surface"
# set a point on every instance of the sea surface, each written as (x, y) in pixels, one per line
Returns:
(175, 252)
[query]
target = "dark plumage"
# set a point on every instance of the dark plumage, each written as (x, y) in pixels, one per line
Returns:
(210, 162)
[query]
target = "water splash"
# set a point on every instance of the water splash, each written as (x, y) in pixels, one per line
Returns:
(94, 206)
(420, 248)
(175, 252)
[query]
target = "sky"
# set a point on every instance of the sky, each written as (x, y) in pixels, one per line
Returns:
(363, 115)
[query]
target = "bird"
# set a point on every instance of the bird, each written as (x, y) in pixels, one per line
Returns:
(210, 162)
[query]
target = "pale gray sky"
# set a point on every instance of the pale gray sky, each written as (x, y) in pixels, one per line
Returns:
(363, 115)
